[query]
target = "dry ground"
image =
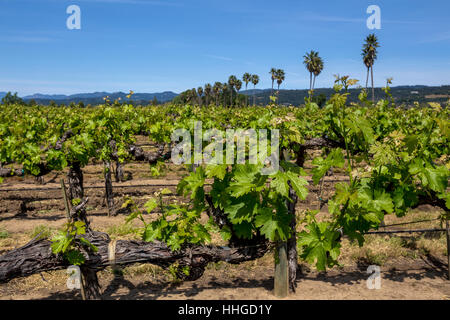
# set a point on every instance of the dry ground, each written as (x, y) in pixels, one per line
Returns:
(412, 266)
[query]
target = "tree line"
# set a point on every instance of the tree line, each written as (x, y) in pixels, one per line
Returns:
(228, 93)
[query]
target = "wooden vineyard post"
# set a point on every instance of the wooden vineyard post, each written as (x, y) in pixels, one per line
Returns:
(66, 204)
(281, 279)
(108, 189)
(66, 201)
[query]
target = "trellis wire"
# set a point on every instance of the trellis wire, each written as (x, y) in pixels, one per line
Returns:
(118, 186)
(405, 231)
(411, 222)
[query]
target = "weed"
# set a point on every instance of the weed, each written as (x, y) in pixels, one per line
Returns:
(4, 234)
(43, 231)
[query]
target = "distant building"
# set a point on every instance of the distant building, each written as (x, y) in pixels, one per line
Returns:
(414, 92)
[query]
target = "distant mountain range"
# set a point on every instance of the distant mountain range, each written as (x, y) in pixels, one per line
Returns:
(97, 97)
(401, 94)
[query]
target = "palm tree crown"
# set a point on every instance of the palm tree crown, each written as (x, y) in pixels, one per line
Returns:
(247, 77)
(238, 86)
(231, 83)
(309, 60)
(273, 73)
(314, 65)
(207, 91)
(280, 77)
(200, 94)
(255, 81)
(217, 88)
(370, 54)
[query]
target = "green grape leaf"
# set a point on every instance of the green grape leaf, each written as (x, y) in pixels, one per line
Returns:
(275, 226)
(298, 184)
(216, 171)
(75, 257)
(334, 159)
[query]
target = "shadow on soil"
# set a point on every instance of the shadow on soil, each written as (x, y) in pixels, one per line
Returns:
(153, 290)
(122, 289)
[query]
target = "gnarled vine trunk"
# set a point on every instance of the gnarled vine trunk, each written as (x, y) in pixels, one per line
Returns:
(292, 241)
(109, 190)
(37, 256)
(76, 191)
(75, 177)
(119, 174)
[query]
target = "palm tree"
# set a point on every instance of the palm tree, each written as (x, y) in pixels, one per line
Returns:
(273, 72)
(370, 55)
(318, 67)
(255, 81)
(200, 94)
(309, 60)
(247, 77)
(231, 82)
(217, 88)
(224, 92)
(238, 86)
(193, 95)
(207, 91)
(279, 76)
(367, 63)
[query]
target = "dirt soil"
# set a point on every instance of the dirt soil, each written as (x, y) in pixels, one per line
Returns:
(415, 281)
(22, 209)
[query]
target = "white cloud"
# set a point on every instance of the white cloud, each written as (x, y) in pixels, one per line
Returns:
(311, 16)
(444, 36)
(218, 57)
(26, 39)
(143, 2)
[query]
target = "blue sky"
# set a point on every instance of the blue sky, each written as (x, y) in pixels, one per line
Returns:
(161, 45)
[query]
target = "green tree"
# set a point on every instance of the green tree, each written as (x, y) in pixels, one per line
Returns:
(310, 60)
(247, 77)
(207, 91)
(231, 83)
(320, 100)
(200, 95)
(225, 90)
(370, 54)
(238, 86)
(255, 81)
(318, 67)
(10, 99)
(193, 97)
(273, 73)
(217, 89)
(280, 77)
(367, 63)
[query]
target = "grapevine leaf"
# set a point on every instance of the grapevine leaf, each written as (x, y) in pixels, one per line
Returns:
(334, 159)
(275, 226)
(150, 205)
(216, 171)
(298, 184)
